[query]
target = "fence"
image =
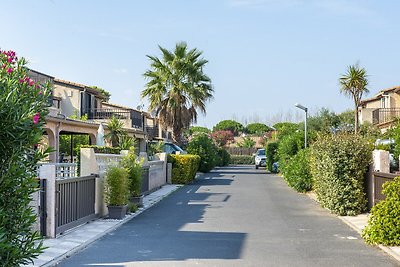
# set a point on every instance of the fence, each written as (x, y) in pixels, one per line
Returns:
(379, 179)
(241, 150)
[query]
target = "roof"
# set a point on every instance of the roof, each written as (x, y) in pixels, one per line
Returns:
(394, 89)
(81, 87)
(119, 106)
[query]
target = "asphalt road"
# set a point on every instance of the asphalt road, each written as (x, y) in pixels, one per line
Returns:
(235, 216)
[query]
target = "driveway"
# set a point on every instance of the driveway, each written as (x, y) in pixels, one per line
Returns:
(234, 216)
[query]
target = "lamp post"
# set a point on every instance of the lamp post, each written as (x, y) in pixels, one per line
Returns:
(297, 105)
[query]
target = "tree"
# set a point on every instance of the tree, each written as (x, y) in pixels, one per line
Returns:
(354, 84)
(177, 87)
(221, 138)
(257, 128)
(116, 130)
(247, 143)
(103, 92)
(285, 128)
(197, 129)
(229, 125)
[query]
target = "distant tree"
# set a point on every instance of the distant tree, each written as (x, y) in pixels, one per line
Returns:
(177, 87)
(257, 128)
(198, 129)
(221, 138)
(324, 121)
(354, 84)
(105, 93)
(285, 128)
(229, 125)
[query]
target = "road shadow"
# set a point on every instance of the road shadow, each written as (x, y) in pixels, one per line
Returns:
(159, 234)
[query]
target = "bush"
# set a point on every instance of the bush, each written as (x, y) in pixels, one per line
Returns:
(288, 147)
(134, 168)
(221, 138)
(204, 147)
(116, 188)
(223, 157)
(23, 108)
(242, 160)
(272, 154)
(384, 221)
(247, 143)
(338, 166)
(184, 168)
(298, 174)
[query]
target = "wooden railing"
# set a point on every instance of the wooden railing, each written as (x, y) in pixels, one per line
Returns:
(379, 179)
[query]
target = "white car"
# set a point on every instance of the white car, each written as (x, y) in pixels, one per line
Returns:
(260, 158)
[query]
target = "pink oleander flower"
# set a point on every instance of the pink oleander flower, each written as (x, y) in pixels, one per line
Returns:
(36, 118)
(31, 83)
(9, 70)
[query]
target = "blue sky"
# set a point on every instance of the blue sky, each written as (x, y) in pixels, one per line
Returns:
(264, 55)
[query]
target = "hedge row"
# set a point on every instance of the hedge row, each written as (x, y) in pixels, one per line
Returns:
(297, 172)
(184, 168)
(338, 166)
(241, 159)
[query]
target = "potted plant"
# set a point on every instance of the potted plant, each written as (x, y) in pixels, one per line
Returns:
(134, 168)
(116, 191)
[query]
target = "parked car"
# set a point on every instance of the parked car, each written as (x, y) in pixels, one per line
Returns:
(260, 158)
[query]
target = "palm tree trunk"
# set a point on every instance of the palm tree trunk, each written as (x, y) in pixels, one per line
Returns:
(356, 117)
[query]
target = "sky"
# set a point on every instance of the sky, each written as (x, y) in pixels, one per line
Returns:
(264, 55)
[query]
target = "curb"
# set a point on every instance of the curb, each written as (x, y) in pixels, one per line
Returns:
(66, 255)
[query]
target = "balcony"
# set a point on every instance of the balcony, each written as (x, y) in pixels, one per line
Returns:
(385, 115)
(132, 118)
(152, 132)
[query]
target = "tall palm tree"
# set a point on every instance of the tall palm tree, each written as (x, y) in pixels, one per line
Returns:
(354, 84)
(177, 87)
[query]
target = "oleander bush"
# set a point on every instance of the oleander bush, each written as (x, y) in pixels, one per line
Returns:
(271, 152)
(203, 146)
(338, 166)
(23, 108)
(184, 167)
(242, 160)
(297, 173)
(384, 220)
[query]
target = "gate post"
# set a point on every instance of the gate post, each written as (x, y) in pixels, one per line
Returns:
(48, 172)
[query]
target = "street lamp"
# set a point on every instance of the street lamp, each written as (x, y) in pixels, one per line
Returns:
(297, 105)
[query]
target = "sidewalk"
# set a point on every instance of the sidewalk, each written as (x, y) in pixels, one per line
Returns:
(80, 237)
(359, 222)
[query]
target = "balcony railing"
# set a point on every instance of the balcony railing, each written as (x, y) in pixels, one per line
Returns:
(383, 115)
(122, 114)
(152, 131)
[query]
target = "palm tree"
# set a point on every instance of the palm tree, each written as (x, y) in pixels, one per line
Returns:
(115, 131)
(354, 84)
(177, 87)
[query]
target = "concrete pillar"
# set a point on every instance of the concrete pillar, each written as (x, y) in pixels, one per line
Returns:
(163, 157)
(48, 172)
(381, 161)
(169, 173)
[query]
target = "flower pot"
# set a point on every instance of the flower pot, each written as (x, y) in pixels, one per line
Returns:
(137, 200)
(117, 212)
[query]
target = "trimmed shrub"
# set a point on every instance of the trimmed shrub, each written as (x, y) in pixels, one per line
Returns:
(116, 187)
(23, 108)
(184, 168)
(288, 147)
(242, 160)
(223, 157)
(271, 152)
(384, 221)
(297, 173)
(338, 165)
(203, 146)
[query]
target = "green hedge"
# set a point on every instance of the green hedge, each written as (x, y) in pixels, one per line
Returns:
(297, 173)
(338, 165)
(384, 221)
(242, 160)
(288, 146)
(271, 152)
(184, 168)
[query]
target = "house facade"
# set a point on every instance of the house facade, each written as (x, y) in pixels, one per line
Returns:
(79, 109)
(381, 110)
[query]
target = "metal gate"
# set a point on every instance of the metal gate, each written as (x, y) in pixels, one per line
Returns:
(75, 202)
(42, 206)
